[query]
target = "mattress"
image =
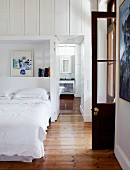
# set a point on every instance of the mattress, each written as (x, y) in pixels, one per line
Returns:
(23, 125)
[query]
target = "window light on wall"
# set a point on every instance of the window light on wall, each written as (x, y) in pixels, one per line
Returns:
(66, 50)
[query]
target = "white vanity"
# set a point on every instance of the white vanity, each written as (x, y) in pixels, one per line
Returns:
(67, 86)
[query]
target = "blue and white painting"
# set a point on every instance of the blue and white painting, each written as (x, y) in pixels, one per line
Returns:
(22, 64)
(125, 50)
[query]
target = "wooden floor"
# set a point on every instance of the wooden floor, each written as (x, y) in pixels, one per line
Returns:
(68, 146)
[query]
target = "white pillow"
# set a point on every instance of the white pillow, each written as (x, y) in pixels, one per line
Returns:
(4, 93)
(32, 93)
(9, 97)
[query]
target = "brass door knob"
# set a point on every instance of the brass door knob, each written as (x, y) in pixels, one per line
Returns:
(96, 110)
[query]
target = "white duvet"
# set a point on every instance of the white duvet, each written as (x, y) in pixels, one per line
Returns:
(22, 127)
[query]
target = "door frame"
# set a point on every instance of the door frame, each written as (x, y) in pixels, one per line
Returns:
(95, 16)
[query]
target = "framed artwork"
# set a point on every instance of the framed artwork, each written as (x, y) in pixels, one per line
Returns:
(22, 63)
(125, 50)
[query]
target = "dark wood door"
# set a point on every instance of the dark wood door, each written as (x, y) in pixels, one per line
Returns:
(103, 70)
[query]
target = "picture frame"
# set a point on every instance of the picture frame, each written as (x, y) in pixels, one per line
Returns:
(124, 91)
(22, 63)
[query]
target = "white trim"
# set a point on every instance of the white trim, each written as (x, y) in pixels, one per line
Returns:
(81, 110)
(45, 37)
(87, 118)
(122, 158)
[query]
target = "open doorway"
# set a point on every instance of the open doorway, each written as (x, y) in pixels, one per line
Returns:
(69, 54)
(70, 75)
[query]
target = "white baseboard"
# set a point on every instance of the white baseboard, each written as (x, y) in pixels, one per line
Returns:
(77, 95)
(81, 110)
(122, 158)
(55, 116)
(87, 118)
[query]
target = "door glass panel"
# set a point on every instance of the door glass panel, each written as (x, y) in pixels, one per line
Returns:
(101, 82)
(102, 39)
(102, 43)
(105, 82)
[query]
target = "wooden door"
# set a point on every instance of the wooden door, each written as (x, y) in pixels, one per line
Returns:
(103, 109)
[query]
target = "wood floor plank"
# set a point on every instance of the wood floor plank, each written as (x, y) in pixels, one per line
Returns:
(68, 146)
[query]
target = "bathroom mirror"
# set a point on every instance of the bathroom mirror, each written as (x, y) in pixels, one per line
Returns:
(65, 64)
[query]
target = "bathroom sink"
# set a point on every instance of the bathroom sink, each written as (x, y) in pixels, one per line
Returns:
(67, 79)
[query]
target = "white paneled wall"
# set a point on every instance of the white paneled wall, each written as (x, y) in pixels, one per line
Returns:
(42, 17)
(62, 17)
(46, 17)
(31, 17)
(76, 17)
(4, 17)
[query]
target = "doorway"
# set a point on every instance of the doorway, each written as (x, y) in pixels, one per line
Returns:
(103, 80)
(70, 75)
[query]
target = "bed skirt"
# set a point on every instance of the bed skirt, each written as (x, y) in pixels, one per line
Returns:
(16, 158)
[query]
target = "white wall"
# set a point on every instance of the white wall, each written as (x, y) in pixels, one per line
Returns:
(12, 84)
(86, 94)
(122, 133)
(86, 79)
(78, 71)
(88, 4)
(82, 79)
(87, 62)
(102, 5)
(54, 80)
(41, 55)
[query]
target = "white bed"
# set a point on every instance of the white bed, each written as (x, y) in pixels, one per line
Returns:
(23, 124)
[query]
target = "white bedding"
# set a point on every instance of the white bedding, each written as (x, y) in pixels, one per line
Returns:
(22, 127)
